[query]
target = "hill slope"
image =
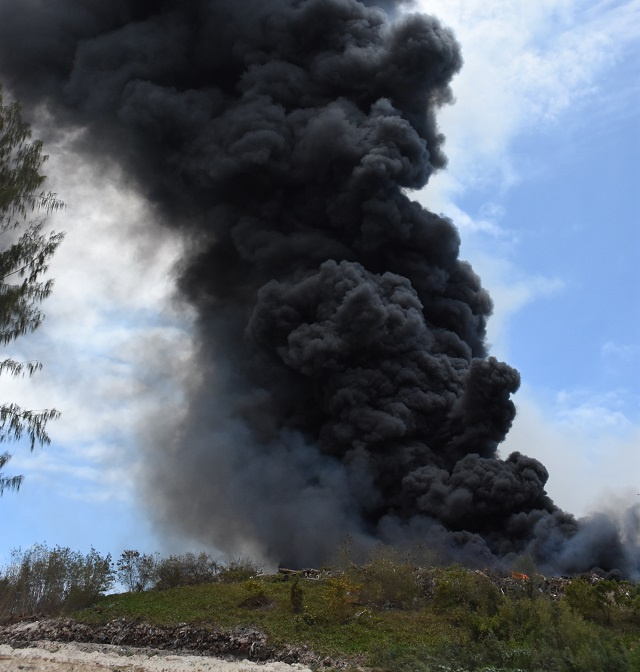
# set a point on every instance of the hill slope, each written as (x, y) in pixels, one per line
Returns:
(385, 616)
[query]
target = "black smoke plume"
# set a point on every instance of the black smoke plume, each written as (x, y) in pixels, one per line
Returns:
(342, 386)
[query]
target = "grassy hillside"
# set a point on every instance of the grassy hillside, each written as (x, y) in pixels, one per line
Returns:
(393, 616)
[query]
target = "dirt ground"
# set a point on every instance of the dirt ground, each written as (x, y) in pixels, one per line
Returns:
(73, 657)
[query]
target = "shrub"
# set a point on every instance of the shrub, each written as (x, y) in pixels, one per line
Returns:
(342, 594)
(406, 659)
(462, 590)
(555, 637)
(256, 596)
(388, 580)
(239, 569)
(297, 606)
(52, 581)
(591, 602)
(186, 570)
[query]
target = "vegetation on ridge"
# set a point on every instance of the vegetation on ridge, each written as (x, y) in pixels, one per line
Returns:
(388, 614)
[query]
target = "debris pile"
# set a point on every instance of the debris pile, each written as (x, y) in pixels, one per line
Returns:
(245, 642)
(551, 586)
(238, 643)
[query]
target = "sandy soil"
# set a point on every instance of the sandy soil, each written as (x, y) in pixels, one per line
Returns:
(71, 657)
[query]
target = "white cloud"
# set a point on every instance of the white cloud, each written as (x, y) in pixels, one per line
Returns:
(623, 352)
(511, 290)
(114, 344)
(588, 413)
(589, 447)
(525, 64)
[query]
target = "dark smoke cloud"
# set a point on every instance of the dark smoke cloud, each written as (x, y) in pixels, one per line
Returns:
(342, 385)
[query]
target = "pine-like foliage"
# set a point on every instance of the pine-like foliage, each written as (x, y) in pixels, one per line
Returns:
(25, 250)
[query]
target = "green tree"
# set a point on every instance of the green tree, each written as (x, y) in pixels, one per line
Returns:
(136, 571)
(25, 251)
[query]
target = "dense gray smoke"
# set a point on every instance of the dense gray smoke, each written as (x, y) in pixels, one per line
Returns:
(342, 385)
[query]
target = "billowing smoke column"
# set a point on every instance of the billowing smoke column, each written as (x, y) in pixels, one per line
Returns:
(342, 385)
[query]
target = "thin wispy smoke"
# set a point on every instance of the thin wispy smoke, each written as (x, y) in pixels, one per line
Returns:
(342, 385)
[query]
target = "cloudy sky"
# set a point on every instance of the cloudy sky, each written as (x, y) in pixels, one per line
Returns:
(543, 143)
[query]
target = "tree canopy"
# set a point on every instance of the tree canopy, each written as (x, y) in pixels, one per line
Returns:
(25, 250)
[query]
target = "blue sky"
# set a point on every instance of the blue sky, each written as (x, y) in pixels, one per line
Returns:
(543, 183)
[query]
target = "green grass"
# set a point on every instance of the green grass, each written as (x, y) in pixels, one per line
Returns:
(455, 620)
(220, 604)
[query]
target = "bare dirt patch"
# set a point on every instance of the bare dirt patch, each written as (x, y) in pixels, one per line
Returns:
(47, 656)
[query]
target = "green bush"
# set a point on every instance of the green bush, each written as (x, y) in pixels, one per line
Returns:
(296, 596)
(555, 638)
(388, 580)
(255, 594)
(186, 570)
(342, 595)
(462, 590)
(406, 659)
(593, 602)
(239, 569)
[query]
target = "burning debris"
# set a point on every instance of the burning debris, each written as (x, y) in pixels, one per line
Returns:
(519, 575)
(342, 385)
